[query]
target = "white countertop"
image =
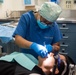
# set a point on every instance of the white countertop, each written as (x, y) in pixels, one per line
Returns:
(66, 20)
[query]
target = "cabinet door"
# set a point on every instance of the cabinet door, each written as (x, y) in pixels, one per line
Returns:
(67, 27)
(68, 43)
(69, 36)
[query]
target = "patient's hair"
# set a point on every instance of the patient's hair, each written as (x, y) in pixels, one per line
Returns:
(61, 68)
(62, 65)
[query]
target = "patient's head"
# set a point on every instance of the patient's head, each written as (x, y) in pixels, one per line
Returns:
(47, 63)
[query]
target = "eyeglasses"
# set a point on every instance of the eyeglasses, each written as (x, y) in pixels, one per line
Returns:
(45, 21)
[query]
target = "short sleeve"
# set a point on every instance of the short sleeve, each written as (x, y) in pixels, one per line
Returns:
(57, 35)
(22, 26)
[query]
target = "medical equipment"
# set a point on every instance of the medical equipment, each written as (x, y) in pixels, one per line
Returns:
(71, 69)
(69, 66)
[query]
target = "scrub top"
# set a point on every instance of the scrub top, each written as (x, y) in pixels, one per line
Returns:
(29, 30)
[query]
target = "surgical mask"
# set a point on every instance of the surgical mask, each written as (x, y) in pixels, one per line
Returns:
(42, 25)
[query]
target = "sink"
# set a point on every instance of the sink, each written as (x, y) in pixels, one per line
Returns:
(5, 21)
(8, 22)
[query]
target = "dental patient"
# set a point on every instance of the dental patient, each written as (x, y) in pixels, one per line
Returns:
(44, 66)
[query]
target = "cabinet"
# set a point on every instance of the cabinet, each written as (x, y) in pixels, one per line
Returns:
(68, 43)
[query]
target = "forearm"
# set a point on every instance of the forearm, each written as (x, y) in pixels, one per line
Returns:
(21, 42)
(56, 47)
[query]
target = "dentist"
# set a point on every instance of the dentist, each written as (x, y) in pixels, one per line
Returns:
(37, 33)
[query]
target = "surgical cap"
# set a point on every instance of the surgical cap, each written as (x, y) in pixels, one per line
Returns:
(50, 11)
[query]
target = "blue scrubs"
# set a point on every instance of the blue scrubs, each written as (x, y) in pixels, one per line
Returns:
(29, 29)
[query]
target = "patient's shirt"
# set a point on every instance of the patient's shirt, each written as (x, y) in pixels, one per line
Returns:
(13, 68)
(25, 60)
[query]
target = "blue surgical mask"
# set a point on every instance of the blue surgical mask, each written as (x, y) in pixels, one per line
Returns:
(42, 25)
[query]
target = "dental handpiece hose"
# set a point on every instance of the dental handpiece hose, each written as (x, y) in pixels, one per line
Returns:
(56, 64)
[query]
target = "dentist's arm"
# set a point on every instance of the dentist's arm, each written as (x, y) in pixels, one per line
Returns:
(23, 43)
(56, 47)
(53, 48)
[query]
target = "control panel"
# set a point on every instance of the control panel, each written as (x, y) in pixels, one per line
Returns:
(68, 4)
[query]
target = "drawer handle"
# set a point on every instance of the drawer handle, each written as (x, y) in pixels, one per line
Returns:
(64, 24)
(65, 37)
(63, 53)
(64, 28)
(63, 50)
(64, 45)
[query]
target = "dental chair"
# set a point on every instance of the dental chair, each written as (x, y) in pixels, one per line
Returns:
(70, 66)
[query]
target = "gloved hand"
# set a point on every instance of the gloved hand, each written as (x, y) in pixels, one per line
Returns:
(39, 49)
(49, 48)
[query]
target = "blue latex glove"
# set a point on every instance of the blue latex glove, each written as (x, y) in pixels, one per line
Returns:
(39, 49)
(49, 48)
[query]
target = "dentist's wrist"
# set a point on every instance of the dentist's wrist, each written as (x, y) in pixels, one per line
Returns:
(49, 48)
